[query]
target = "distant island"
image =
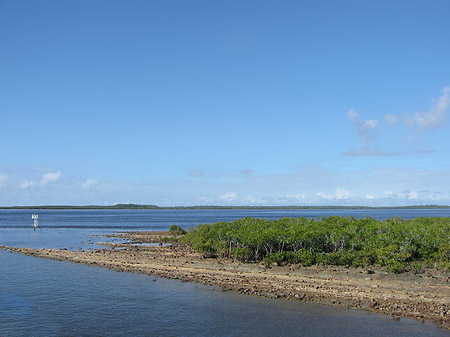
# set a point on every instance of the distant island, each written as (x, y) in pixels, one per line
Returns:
(137, 206)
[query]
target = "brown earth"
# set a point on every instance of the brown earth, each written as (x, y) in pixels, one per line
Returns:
(423, 296)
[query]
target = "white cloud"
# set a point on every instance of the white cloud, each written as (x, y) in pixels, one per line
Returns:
(3, 178)
(47, 178)
(342, 194)
(51, 177)
(228, 196)
(306, 185)
(89, 183)
(353, 115)
(339, 194)
(412, 195)
(436, 196)
(435, 117)
(390, 194)
(420, 121)
(324, 195)
(370, 123)
(298, 196)
(250, 200)
(365, 131)
(204, 200)
(26, 184)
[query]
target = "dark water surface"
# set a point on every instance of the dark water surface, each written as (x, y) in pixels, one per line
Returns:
(41, 297)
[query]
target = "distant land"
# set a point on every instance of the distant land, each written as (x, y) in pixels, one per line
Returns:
(136, 206)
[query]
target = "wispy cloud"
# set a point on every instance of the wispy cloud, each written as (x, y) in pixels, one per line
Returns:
(205, 200)
(236, 173)
(339, 194)
(89, 183)
(196, 173)
(426, 151)
(367, 135)
(418, 122)
(434, 118)
(3, 179)
(306, 185)
(228, 197)
(51, 177)
(368, 152)
(390, 119)
(324, 195)
(246, 171)
(365, 128)
(411, 195)
(25, 184)
(342, 193)
(296, 196)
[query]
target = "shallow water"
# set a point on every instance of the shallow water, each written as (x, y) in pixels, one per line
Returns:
(41, 297)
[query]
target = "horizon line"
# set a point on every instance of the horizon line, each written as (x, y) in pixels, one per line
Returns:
(151, 206)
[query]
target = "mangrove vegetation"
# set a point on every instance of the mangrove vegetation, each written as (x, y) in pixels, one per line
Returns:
(399, 245)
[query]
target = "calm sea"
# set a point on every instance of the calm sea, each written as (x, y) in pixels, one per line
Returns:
(51, 298)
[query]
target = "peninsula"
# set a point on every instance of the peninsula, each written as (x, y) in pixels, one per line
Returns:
(396, 283)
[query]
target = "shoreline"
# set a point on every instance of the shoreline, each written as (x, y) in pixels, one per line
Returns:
(424, 297)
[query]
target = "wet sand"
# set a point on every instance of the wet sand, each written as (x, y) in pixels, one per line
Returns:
(424, 296)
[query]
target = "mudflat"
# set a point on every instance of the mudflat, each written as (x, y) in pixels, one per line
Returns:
(424, 296)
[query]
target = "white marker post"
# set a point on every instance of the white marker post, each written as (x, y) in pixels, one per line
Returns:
(35, 217)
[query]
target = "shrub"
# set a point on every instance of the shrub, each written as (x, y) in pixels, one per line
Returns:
(395, 267)
(444, 266)
(280, 258)
(242, 254)
(305, 257)
(395, 243)
(417, 266)
(176, 230)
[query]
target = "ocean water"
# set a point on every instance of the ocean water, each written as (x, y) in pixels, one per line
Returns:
(41, 297)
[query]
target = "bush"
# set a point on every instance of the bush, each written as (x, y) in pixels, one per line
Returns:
(280, 258)
(242, 254)
(395, 267)
(176, 230)
(204, 247)
(444, 266)
(394, 243)
(417, 266)
(305, 257)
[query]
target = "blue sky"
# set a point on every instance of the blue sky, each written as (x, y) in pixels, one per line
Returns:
(224, 103)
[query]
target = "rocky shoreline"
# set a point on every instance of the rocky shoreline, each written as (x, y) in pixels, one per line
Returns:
(423, 296)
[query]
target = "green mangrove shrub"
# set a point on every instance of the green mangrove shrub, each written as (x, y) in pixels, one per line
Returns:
(393, 243)
(176, 230)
